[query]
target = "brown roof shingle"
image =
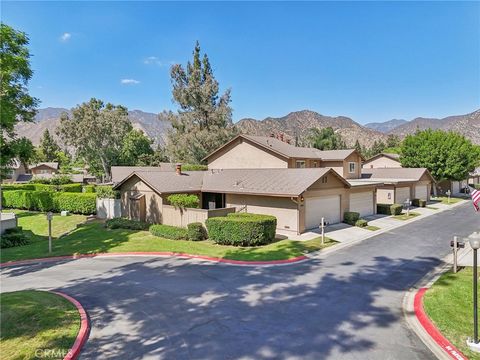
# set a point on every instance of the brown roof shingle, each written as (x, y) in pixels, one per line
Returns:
(413, 174)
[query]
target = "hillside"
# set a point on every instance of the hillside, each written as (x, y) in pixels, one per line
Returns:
(386, 126)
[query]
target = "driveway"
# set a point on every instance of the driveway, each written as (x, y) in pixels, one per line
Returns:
(345, 305)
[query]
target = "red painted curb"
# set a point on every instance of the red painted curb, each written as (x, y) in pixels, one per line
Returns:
(432, 330)
(161, 254)
(84, 328)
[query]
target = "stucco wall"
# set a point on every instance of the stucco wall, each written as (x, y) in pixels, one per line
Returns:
(39, 169)
(382, 162)
(153, 200)
(342, 167)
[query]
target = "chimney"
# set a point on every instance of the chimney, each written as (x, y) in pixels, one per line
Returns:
(178, 168)
(272, 135)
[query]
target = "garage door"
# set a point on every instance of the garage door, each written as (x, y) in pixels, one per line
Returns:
(325, 206)
(421, 192)
(362, 203)
(402, 194)
(455, 187)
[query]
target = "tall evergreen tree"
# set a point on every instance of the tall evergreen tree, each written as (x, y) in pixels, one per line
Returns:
(204, 119)
(48, 147)
(325, 139)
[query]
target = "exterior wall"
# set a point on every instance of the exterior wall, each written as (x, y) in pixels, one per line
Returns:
(365, 189)
(182, 217)
(7, 221)
(153, 200)
(284, 209)
(386, 195)
(243, 155)
(382, 162)
(109, 208)
(309, 163)
(342, 167)
(338, 166)
(43, 169)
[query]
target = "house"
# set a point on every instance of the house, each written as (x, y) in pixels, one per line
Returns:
(400, 184)
(261, 152)
(121, 172)
(455, 187)
(44, 168)
(17, 169)
(474, 177)
(383, 160)
(297, 197)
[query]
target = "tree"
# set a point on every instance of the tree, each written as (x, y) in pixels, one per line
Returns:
(159, 156)
(48, 147)
(447, 155)
(325, 139)
(204, 120)
(96, 131)
(358, 147)
(377, 148)
(393, 141)
(24, 151)
(135, 146)
(15, 102)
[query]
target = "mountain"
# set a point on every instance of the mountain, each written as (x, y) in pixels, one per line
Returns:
(298, 124)
(49, 118)
(386, 126)
(467, 125)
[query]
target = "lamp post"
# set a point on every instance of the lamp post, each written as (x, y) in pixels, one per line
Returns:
(474, 240)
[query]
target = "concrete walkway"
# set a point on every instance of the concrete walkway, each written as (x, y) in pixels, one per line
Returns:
(344, 233)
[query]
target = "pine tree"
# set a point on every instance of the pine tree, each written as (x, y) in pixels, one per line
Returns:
(48, 147)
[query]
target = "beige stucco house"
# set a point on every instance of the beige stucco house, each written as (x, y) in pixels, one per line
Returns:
(383, 160)
(43, 168)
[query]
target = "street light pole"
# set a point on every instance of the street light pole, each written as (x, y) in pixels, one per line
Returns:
(474, 240)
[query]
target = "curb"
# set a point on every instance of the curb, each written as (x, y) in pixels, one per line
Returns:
(84, 328)
(297, 259)
(432, 330)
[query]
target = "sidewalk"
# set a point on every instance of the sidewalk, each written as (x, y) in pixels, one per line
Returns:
(344, 233)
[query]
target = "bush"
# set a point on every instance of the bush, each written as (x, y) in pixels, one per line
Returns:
(44, 187)
(477, 186)
(350, 217)
(107, 192)
(73, 188)
(6, 187)
(61, 180)
(77, 203)
(123, 223)
(194, 167)
(182, 201)
(13, 237)
(361, 223)
(419, 202)
(89, 189)
(242, 229)
(39, 180)
(196, 231)
(389, 209)
(169, 232)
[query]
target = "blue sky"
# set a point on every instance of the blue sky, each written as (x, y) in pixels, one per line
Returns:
(372, 61)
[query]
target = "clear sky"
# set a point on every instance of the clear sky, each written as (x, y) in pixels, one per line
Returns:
(372, 61)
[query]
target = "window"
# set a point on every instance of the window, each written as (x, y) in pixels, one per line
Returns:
(389, 196)
(314, 164)
(351, 167)
(324, 179)
(300, 164)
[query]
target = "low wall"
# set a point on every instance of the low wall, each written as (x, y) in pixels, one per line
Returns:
(108, 208)
(7, 221)
(182, 217)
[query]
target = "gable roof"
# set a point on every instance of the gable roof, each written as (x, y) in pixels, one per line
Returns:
(392, 156)
(121, 172)
(287, 150)
(395, 174)
(274, 182)
(53, 165)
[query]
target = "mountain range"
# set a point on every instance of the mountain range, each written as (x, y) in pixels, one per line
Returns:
(294, 125)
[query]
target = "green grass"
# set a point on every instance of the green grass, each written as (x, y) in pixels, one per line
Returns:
(444, 200)
(404, 216)
(372, 227)
(450, 306)
(32, 320)
(93, 237)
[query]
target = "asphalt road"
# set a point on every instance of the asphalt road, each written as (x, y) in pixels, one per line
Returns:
(346, 305)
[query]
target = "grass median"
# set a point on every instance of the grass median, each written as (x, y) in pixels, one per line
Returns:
(93, 237)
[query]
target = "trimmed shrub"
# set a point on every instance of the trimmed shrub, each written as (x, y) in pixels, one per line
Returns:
(242, 229)
(107, 192)
(194, 167)
(7, 187)
(89, 189)
(61, 180)
(77, 203)
(44, 187)
(361, 223)
(39, 180)
(182, 201)
(419, 202)
(477, 186)
(13, 237)
(169, 232)
(73, 188)
(389, 209)
(350, 217)
(123, 223)
(196, 231)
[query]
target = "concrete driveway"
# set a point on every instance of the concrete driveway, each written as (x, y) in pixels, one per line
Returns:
(345, 305)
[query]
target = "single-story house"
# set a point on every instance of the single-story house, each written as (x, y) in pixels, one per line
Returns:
(16, 169)
(400, 184)
(297, 197)
(44, 168)
(261, 152)
(121, 172)
(383, 160)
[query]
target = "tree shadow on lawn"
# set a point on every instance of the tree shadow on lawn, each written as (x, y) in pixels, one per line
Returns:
(174, 309)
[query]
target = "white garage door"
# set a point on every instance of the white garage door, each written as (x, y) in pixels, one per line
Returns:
(327, 207)
(455, 187)
(421, 192)
(402, 194)
(362, 203)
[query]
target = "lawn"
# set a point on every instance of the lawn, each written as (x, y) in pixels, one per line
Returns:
(372, 227)
(33, 320)
(404, 216)
(93, 237)
(444, 200)
(449, 305)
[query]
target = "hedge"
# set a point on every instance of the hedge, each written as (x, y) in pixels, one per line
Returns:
(169, 232)
(123, 223)
(6, 187)
(351, 217)
(106, 192)
(184, 200)
(389, 209)
(196, 231)
(242, 229)
(419, 202)
(89, 189)
(77, 203)
(77, 188)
